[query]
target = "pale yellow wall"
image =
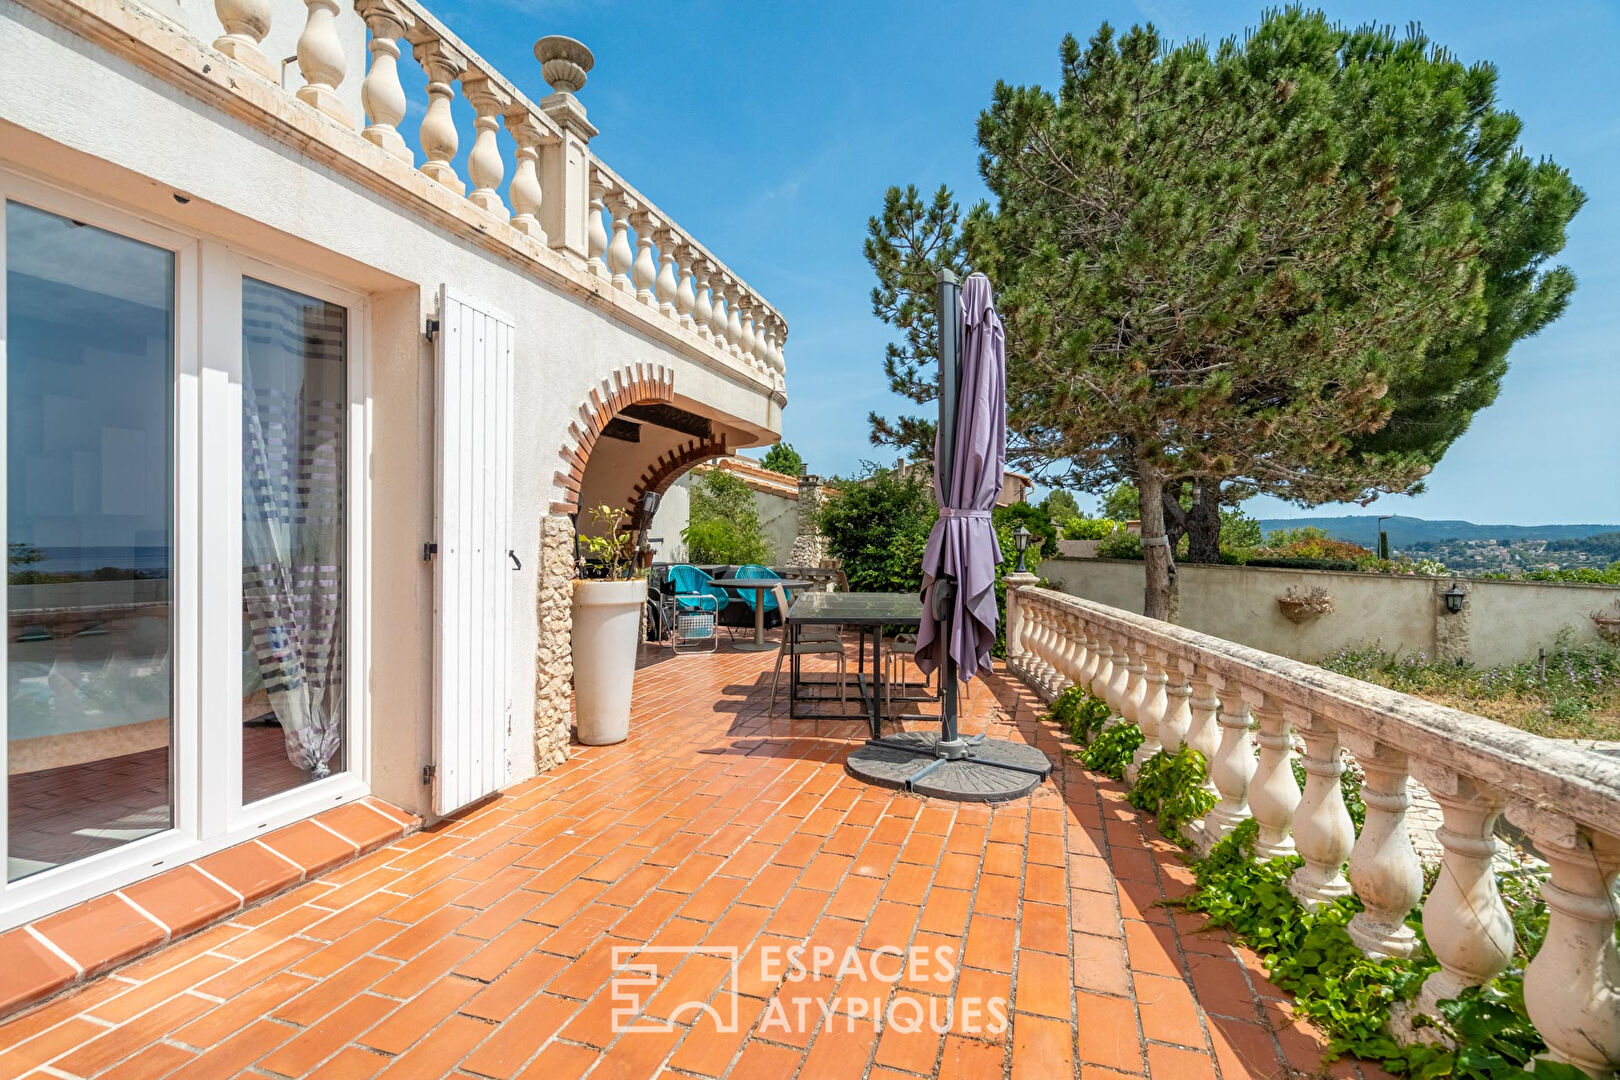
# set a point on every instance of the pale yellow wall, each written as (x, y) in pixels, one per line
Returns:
(1506, 621)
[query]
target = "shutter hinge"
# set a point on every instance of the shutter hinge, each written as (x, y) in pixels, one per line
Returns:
(432, 329)
(428, 773)
(429, 550)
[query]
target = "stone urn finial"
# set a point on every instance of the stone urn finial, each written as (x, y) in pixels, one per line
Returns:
(564, 62)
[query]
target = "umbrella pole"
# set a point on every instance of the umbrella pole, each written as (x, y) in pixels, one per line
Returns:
(950, 745)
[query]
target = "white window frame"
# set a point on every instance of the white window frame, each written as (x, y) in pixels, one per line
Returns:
(206, 574)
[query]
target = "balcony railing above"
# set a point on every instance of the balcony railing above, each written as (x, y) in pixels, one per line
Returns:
(558, 195)
(1183, 688)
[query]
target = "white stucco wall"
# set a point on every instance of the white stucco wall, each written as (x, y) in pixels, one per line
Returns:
(1504, 622)
(73, 115)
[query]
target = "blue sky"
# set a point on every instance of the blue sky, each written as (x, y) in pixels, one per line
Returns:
(771, 129)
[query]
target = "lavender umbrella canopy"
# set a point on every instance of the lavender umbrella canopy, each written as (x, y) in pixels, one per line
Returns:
(963, 544)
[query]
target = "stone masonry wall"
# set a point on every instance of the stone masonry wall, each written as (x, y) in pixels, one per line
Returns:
(554, 659)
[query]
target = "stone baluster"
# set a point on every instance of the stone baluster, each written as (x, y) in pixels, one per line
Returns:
(1231, 766)
(1034, 613)
(1572, 986)
(1323, 831)
(1465, 922)
(380, 91)
(1154, 701)
(1203, 725)
(685, 291)
(1037, 646)
(1119, 686)
(734, 293)
(620, 257)
(246, 23)
(1079, 651)
(484, 166)
(526, 192)
(1385, 873)
(765, 343)
(438, 134)
(1136, 688)
(1052, 678)
(781, 360)
(644, 271)
(703, 308)
(1088, 672)
(596, 236)
(1073, 648)
(1177, 706)
(1103, 673)
(720, 289)
(667, 285)
(745, 339)
(321, 61)
(1273, 791)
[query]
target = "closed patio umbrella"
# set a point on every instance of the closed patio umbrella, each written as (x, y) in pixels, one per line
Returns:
(970, 451)
(958, 627)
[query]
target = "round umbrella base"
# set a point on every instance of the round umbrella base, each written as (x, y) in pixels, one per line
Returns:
(995, 770)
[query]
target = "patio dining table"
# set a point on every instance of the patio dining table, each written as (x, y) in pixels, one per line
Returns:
(867, 613)
(758, 587)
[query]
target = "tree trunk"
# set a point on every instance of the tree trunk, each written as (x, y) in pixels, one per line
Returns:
(1204, 524)
(1175, 518)
(1158, 561)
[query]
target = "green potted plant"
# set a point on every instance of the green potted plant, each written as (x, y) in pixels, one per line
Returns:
(607, 627)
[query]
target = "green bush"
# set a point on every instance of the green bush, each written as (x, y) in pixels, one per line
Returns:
(1083, 528)
(1172, 787)
(1080, 714)
(1033, 518)
(1120, 544)
(724, 523)
(782, 458)
(877, 527)
(1111, 751)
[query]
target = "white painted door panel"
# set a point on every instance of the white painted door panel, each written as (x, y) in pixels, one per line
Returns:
(472, 569)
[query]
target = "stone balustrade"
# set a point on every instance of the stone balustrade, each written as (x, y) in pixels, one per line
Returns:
(559, 194)
(1242, 709)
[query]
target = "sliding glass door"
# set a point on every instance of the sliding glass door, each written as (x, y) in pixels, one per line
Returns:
(89, 528)
(294, 453)
(184, 446)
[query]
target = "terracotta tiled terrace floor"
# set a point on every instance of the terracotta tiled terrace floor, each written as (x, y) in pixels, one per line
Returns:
(483, 947)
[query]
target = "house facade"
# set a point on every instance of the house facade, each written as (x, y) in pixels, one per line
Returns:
(301, 414)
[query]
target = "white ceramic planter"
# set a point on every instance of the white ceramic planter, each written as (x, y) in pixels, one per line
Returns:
(607, 624)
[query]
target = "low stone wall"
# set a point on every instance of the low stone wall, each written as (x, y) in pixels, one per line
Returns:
(1502, 622)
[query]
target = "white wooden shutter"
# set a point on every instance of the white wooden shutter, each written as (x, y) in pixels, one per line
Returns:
(473, 573)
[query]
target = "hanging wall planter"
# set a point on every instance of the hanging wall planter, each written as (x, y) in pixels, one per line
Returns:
(1303, 607)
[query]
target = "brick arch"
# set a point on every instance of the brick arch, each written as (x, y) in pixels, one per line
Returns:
(633, 384)
(670, 466)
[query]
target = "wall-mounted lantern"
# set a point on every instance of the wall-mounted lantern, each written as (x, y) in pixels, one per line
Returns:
(1455, 597)
(1021, 538)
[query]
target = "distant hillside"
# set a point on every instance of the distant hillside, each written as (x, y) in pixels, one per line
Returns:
(1363, 529)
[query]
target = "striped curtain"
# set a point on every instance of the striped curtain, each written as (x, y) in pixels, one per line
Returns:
(294, 388)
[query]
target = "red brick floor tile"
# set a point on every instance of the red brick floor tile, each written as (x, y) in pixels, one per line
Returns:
(32, 970)
(183, 899)
(324, 1037)
(101, 932)
(1043, 984)
(1042, 1048)
(1168, 1011)
(1107, 1032)
(252, 870)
